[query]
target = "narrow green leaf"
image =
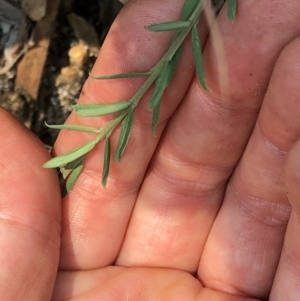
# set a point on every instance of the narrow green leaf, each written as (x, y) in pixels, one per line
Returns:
(198, 59)
(71, 166)
(95, 110)
(231, 9)
(106, 162)
(72, 178)
(73, 127)
(120, 75)
(188, 8)
(167, 26)
(156, 112)
(125, 134)
(70, 156)
(160, 86)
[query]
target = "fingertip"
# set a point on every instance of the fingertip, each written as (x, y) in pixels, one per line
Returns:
(17, 142)
(22, 177)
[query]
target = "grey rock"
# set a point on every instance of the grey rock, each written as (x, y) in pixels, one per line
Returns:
(14, 35)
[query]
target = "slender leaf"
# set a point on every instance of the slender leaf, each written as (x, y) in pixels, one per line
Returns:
(70, 156)
(73, 127)
(106, 162)
(156, 111)
(198, 59)
(72, 178)
(231, 9)
(95, 110)
(125, 134)
(160, 86)
(121, 75)
(188, 8)
(71, 165)
(167, 26)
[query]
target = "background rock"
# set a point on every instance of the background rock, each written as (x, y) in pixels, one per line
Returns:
(14, 34)
(34, 9)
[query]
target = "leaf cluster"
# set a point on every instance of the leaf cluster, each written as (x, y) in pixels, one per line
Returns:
(160, 76)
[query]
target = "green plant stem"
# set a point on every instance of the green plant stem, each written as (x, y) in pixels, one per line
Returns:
(109, 128)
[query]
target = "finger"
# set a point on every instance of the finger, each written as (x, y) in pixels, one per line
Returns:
(94, 217)
(246, 239)
(135, 284)
(286, 283)
(184, 186)
(30, 215)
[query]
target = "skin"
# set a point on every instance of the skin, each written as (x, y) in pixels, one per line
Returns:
(207, 209)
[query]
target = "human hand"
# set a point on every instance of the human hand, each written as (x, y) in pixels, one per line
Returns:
(198, 211)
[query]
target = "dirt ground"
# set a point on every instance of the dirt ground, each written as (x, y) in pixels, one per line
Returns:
(80, 28)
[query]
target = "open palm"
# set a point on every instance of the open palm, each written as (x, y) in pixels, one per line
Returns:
(198, 211)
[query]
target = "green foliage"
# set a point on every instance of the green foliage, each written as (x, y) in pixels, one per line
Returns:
(73, 175)
(96, 110)
(231, 9)
(160, 76)
(76, 153)
(198, 59)
(125, 134)
(121, 75)
(106, 161)
(73, 127)
(167, 26)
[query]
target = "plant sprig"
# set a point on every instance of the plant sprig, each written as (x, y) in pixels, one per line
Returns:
(160, 76)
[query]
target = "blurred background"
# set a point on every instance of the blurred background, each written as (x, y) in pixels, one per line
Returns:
(47, 48)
